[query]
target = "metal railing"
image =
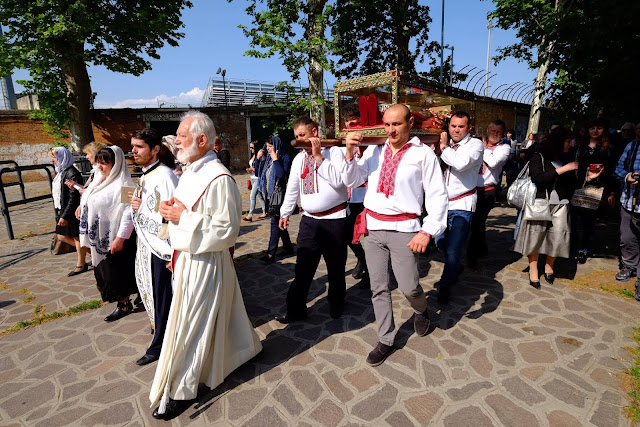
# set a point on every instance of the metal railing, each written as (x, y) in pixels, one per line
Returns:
(247, 92)
(19, 182)
(3, 198)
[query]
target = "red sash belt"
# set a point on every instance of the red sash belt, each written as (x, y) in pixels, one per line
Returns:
(487, 188)
(334, 209)
(463, 195)
(360, 227)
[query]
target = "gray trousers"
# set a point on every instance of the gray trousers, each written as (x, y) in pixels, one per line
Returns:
(630, 239)
(380, 247)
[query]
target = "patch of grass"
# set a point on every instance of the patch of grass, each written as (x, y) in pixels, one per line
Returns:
(604, 281)
(28, 299)
(633, 385)
(40, 317)
(25, 235)
(4, 286)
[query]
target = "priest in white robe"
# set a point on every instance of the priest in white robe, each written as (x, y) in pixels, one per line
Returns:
(208, 333)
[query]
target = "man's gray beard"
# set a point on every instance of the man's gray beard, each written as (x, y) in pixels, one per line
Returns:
(185, 155)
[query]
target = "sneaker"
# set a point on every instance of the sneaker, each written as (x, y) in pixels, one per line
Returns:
(582, 256)
(379, 354)
(625, 274)
(637, 292)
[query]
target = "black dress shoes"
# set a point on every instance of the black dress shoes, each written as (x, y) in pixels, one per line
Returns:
(549, 277)
(173, 409)
(288, 318)
(358, 270)
(444, 295)
(75, 272)
(379, 354)
(534, 284)
(122, 309)
(268, 259)
(146, 359)
(421, 323)
(336, 310)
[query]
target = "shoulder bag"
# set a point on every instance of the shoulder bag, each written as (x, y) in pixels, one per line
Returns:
(521, 189)
(537, 209)
(587, 197)
(276, 199)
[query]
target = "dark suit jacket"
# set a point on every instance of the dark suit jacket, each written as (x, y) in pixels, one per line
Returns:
(69, 199)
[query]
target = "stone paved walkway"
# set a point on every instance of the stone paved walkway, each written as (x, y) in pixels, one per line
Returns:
(501, 354)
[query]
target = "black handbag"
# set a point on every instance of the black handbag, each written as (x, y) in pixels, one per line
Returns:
(276, 199)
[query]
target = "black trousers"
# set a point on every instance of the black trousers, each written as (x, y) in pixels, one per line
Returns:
(478, 238)
(318, 237)
(162, 295)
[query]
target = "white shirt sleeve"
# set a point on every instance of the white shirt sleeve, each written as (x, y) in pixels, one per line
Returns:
(293, 187)
(464, 157)
(436, 197)
(355, 172)
(126, 223)
(498, 157)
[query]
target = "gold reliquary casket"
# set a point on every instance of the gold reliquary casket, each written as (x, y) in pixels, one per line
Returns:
(431, 104)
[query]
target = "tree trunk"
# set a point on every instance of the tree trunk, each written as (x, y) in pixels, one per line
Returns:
(315, 31)
(401, 37)
(78, 97)
(538, 95)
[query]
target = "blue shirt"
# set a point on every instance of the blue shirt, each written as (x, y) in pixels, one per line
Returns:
(627, 165)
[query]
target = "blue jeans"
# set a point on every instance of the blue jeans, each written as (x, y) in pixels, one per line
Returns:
(254, 193)
(452, 243)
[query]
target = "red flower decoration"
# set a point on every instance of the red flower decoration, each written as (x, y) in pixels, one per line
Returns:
(304, 173)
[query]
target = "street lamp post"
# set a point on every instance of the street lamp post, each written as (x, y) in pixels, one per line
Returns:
(490, 25)
(223, 72)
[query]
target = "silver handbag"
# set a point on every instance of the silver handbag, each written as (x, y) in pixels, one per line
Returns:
(537, 209)
(522, 189)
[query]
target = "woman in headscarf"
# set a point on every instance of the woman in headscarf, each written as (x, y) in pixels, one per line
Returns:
(274, 172)
(65, 201)
(106, 226)
(90, 151)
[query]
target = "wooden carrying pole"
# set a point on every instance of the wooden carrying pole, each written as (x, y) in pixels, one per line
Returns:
(368, 140)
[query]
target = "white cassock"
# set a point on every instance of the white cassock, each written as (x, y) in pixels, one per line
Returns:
(208, 333)
(157, 184)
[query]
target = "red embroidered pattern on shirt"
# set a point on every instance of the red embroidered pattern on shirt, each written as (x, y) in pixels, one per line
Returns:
(308, 175)
(387, 180)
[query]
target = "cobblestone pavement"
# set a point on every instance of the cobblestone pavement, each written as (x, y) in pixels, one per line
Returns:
(502, 353)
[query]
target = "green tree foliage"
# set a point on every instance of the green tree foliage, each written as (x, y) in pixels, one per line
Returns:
(591, 48)
(55, 40)
(294, 30)
(449, 75)
(371, 36)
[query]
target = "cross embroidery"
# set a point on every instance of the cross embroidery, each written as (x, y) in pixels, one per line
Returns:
(387, 182)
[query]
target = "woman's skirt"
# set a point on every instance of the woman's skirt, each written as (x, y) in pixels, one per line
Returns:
(551, 238)
(115, 275)
(72, 229)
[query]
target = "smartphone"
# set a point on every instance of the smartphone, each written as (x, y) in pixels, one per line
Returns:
(595, 167)
(635, 176)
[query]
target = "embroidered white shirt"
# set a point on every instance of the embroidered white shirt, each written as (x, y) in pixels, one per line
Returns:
(330, 191)
(494, 159)
(461, 175)
(418, 178)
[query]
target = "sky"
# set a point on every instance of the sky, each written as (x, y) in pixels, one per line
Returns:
(213, 39)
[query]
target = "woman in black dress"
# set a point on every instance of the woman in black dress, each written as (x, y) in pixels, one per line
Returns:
(65, 201)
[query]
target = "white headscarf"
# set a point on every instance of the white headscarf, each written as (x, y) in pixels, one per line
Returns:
(103, 210)
(64, 159)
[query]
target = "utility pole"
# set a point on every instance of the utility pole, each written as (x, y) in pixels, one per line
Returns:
(442, 47)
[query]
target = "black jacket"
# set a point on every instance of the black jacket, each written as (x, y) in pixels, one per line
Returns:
(69, 199)
(548, 180)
